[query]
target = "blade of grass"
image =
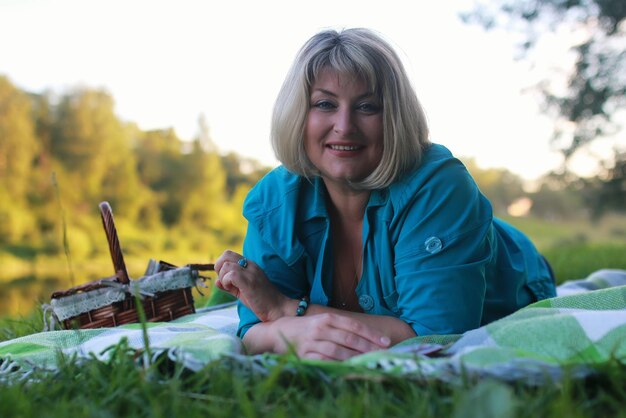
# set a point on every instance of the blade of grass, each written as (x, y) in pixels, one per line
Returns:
(66, 246)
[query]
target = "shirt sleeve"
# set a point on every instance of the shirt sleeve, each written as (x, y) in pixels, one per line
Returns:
(289, 279)
(443, 249)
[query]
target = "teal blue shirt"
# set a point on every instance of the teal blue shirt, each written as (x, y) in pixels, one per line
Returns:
(433, 254)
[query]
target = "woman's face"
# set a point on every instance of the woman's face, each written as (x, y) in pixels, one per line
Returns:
(343, 136)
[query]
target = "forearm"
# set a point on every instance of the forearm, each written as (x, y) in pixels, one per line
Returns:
(267, 336)
(396, 329)
(261, 338)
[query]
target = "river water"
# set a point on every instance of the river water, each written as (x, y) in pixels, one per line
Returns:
(23, 295)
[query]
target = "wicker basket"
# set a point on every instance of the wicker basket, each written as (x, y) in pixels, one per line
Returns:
(165, 291)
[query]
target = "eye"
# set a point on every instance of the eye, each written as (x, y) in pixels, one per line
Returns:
(368, 107)
(324, 105)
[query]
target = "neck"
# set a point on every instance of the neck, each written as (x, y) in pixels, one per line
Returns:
(346, 204)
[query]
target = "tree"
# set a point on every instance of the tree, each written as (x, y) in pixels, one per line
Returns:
(553, 202)
(160, 166)
(499, 185)
(596, 82)
(18, 144)
(242, 171)
(606, 192)
(18, 151)
(205, 204)
(205, 194)
(83, 136)
(94, 149)
(42, 197)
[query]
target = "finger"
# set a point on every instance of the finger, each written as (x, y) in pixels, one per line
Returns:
(228, 287)
(227, 268)
(228, 280)
(220, 285)
(226, 256)
(358, 328)
(350, 340)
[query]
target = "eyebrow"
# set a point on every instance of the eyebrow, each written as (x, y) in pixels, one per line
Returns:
(330, 93)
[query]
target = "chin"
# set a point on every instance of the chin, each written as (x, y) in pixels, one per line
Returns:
(345, 179)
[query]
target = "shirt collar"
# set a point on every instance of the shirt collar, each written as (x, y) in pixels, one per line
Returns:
(314, 199)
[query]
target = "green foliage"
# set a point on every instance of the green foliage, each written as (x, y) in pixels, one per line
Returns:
(153, 179)
(16, 221)
(499, 185)
(203, 203)
(554, 203)
(91, 144)
(18, 150)
(241, 172)
(18, 144)
(159, 165)
(86, 138)
(607, 192)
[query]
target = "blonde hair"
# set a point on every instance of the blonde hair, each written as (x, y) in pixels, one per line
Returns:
(362, 53)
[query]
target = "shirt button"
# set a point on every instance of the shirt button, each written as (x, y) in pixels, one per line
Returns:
(366, 302)
(433, 245)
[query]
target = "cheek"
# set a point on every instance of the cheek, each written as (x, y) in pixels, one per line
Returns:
(311, 124)
(313, 131)
(377, 126)
(380, 142)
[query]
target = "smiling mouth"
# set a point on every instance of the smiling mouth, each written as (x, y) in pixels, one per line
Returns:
(344, 147)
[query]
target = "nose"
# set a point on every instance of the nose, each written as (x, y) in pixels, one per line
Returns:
(343, 123)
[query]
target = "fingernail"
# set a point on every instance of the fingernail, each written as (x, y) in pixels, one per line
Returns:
(385, 341)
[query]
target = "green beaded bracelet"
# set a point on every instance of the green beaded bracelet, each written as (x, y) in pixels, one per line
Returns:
(302, 307)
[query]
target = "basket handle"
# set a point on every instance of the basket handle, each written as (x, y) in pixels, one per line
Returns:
(114, 244)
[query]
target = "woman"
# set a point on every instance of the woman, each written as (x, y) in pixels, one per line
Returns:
(368, 234)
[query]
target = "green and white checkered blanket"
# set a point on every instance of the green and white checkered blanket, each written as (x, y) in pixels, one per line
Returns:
(584, 326)
(194, 340)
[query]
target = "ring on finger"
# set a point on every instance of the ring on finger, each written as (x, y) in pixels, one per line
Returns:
(243, 262)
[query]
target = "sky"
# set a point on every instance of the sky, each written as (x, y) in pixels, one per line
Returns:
(167, 62)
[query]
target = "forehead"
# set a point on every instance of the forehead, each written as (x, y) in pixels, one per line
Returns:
(329, 78)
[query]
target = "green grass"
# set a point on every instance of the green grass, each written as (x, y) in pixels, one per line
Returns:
(18, 326)
(119, 388)
(577, 248)
(554, 233)
(577, 261)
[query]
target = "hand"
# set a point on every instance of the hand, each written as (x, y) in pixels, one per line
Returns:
(327, 336)
(251, 286)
